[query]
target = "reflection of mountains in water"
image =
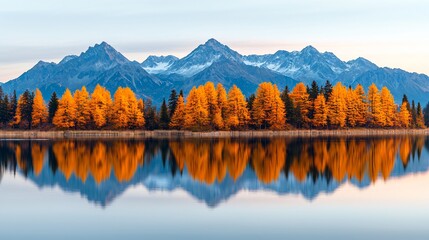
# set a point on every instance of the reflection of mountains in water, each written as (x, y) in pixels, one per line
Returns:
(212, 170)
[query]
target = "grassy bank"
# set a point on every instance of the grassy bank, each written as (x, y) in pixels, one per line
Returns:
(187, 134)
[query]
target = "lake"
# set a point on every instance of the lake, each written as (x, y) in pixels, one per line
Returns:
(248, 188)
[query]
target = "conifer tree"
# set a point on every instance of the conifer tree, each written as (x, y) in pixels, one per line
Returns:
(388, 107)
(361, 106)
(172, 102)
(337, 106)
(222, 101)
(197, 116)
(237, 114)
(100, 104)
(13, 106)
(151, 118)
(277, 118)
(413, 114)
(178, 118)
(289, 109)
(426, 114)
(301, 103)
(52, 106)
(65, 116)
(4, 102)
(377, 116)
(420, 122)
(327, 90)
(40, 112)
(268, 106)
(404, 115)
(320, 112)
(164, 118)
(83, 110)
(24, 109)
(214, 112)
(314, 91)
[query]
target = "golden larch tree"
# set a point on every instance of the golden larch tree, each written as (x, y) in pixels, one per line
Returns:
(237, 114)
(197, 115)
(83, 109)
(222, 100)
(300, 98)
(377, 117)
(268, 109)
(388, 107)
(361, 106)
(351, 108)
(40, 111)
(337, 105)
(100, 104)
(261, 108)
(404, 116)
(66, 114)
(178, 118)
(215, 114)
(320, 111)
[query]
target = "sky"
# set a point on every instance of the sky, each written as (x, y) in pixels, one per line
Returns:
(388, 32)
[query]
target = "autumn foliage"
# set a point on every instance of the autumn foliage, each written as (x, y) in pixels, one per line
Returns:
(212, 107)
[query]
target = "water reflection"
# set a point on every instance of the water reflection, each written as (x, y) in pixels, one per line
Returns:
(212, 170)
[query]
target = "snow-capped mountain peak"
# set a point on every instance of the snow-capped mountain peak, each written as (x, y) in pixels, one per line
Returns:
(157, 64)
(202, 57)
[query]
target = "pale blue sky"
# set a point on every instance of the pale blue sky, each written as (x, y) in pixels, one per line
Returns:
(390, 33)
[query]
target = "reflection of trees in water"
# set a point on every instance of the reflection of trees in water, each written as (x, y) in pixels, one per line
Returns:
(211, 160)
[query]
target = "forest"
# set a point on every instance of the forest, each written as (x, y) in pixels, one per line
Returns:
(210, 108)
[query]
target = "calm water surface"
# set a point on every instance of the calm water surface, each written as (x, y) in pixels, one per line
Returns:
(328, 188)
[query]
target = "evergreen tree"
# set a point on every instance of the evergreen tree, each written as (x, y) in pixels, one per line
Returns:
(426, 114)
(413, 114)
(289, 109)
(164, 118)
(3, 107)
(314, 91)
(150, 115)
(23, 114)
(420, 122)
(4, 110)
(172, 102)
(52, 106)
(13, 106)
(327, 90)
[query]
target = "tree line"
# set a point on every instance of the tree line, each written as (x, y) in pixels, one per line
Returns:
(209, 107)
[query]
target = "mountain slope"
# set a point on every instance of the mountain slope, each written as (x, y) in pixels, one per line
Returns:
(212, 61)
(100, 64)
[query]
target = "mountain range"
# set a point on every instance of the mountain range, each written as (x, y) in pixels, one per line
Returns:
(156, 76)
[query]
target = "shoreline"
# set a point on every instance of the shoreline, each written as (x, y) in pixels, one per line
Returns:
(171, 134)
